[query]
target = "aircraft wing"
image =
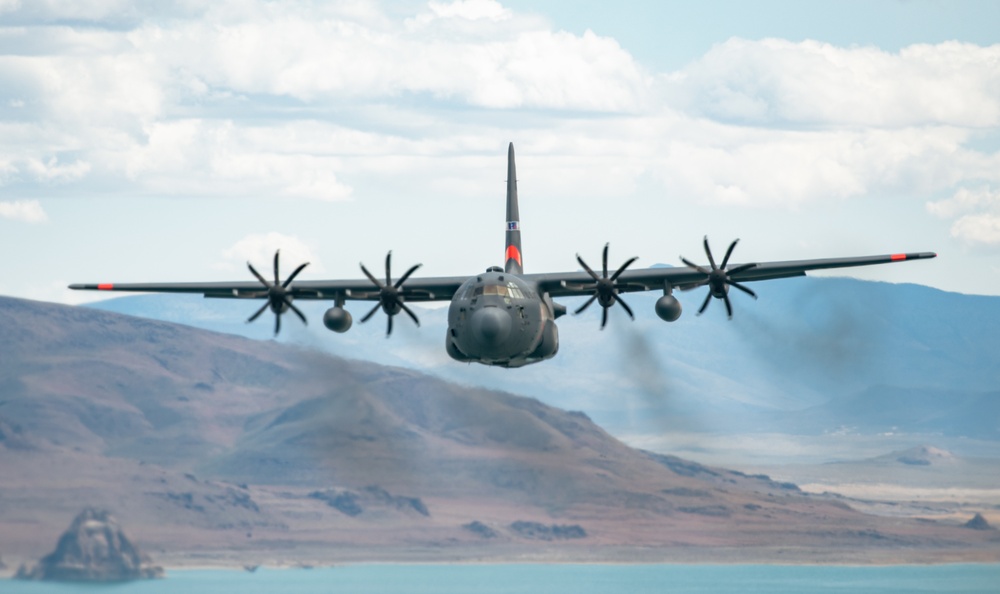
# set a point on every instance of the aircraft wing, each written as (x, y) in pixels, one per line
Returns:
(424, 289)
(558, 284)
(687, 277)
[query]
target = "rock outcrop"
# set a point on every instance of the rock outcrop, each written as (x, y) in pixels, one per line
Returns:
(93, 549)
(978, 522)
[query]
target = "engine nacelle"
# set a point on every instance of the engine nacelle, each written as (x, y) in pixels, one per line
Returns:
(337, 319)
(668, 308)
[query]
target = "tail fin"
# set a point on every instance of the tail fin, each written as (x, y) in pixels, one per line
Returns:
(512, 257)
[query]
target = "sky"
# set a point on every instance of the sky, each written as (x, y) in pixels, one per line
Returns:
(175, 141)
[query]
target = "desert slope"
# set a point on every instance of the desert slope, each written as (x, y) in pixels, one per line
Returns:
(210, 446)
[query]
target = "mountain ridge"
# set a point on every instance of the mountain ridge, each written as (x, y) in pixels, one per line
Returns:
(216, 444)
(810, 342)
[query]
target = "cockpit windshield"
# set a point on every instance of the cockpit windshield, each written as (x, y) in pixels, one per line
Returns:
(509, 290)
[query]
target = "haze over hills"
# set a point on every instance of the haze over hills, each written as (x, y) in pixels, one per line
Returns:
(209, 445)
(812, 355)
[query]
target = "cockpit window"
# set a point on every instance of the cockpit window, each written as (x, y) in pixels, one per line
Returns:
(510, 291)
(465, 291)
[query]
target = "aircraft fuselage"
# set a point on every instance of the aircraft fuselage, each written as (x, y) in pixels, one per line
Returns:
(498, 318)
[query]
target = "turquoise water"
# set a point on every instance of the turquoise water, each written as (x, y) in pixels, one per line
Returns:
(556, 579)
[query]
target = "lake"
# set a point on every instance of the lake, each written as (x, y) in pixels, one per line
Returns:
(556, 579)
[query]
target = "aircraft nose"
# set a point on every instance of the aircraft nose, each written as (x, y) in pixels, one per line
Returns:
(491, 325)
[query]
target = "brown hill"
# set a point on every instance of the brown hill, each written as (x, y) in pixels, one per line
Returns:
(215, 447)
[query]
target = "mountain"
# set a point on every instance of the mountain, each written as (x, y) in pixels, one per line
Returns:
(945, 411)
(212, 446)
(861, 354)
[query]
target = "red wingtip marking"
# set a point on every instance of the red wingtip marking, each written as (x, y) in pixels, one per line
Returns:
(513, 254)
(105, 287)
(897, 257)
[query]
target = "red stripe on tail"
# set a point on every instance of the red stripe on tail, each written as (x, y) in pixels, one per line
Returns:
(513, 254)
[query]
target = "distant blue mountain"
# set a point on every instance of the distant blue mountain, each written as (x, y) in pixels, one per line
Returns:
(812, 354)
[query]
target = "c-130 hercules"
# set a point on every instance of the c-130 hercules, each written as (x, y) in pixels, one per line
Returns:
(504, 316)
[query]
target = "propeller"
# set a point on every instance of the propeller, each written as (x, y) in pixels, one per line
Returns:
(278, 295)
(391, 295)
(606, 288)
(719, 279)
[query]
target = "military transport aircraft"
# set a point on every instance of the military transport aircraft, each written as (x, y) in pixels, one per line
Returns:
(504, 316)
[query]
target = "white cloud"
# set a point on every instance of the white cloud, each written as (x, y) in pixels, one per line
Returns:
(149, 108)
(983, 229)
(312, 56)
(782, 168)
(780, 82)
(259, 250)
(52, 170)
(205, 157)
(978, 213)
(28, 211)
(965, 200)
(470, 10)
(313, 100)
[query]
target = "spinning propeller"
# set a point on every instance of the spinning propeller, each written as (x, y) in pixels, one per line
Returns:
(278, 297)
(606, 288)
(719, 279)
(391, 295)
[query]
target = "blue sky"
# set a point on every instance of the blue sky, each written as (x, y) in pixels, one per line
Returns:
(172, 142)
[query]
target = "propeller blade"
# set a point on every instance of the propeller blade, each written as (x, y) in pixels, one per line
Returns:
(257, 274)
(289, 280)
(708, 251)
(410, 313)
(742, 288)
(719, 279)
(297, 312)
(390, 295)
(628, 309)
(704, 305)
(374, 280)
(729, 252)
(276, 252)
(257, 315)
(277, 324)
(622, 268)
(592, 274)
(741, 268)
(606, 288)
(369, 315)
(403, 278)
(586, 304)
(691, 264)
(700, 283)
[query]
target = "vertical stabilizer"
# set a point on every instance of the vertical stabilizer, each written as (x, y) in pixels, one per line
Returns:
(512, 258)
